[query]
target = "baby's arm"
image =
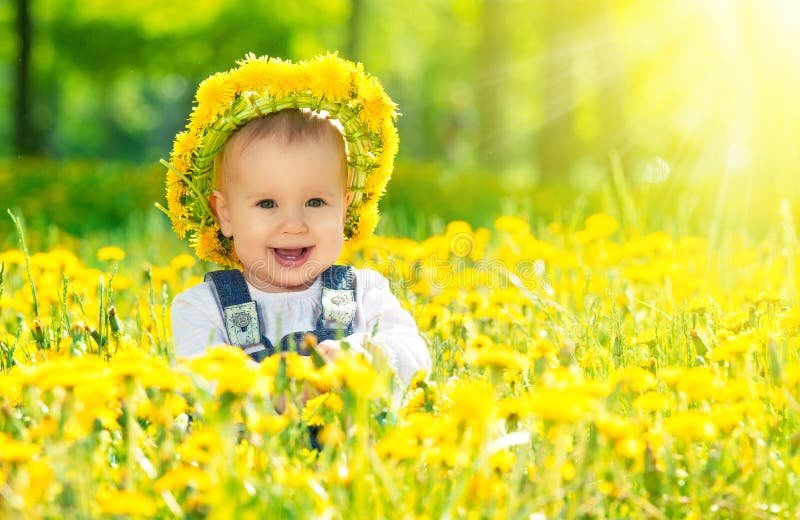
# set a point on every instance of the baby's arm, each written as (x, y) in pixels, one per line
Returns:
(383, 323)
(196, 321)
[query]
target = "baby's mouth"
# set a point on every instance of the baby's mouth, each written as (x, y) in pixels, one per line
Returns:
(291, 257)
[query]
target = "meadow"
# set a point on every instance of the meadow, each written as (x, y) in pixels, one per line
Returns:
(582, 369)
(592, 218)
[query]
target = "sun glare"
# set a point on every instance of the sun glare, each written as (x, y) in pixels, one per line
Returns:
(784, 17)
(719, 79)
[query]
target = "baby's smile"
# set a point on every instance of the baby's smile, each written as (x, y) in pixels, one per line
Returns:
(291, 257)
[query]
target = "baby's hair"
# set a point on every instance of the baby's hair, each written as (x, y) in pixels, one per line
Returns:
(288, 126)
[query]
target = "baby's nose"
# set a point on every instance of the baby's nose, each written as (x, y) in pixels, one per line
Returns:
(293, 222)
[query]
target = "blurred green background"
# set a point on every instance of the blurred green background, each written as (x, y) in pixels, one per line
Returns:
(681, 115)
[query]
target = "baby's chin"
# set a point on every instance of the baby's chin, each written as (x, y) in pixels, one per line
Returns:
(282, 281)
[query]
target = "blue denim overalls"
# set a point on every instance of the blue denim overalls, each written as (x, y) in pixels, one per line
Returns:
(243, 324)
(242, 321)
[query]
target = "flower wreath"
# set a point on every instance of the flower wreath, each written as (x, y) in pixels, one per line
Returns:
(259, 86)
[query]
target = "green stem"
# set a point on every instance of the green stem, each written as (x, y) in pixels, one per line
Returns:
(21, 234)
(201, 197)
(162, 209)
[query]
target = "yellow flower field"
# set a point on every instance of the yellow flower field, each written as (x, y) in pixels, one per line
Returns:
(594, 372)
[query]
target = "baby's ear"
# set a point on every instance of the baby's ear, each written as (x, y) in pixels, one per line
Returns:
(220, 208)
(348, 196)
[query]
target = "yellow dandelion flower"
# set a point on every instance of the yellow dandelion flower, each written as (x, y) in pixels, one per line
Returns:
(130, 363)
(635, 379)
(616, 426)
(416, 400)
(108, 253)
(229, 367)
(480, 341)
(40, 476)
(630, 447)
(791, 374)
(568, 471)
(207, 244)
(176, 190)
(10, 389)
(734, 347)
(182, 261)
(332, 435)
(543, 348)
(377, 180)
(120, 282)
(287, 78)
(511, 224)
(699, 383)
(608, 488)
(497, 356)
(269, 424)
(125, 502)
(502, 461)
(215, 92)
(652, 402)
(186, 144)
(297, 477)
(177, 211)
(376, 106)
(735, 390)
(320, 410)
(671, 375)
(68, 373)
(200, 446)
(174, 182)
(601, 225)
(253, 74)
(561, 405)
(12, 257)
(726, 417)
(12, 450)
(358, 375)
(182, 163)
(791, 320)
(472, 402)
(241, 381)
(368, 219)
(183, 476)
(300, 368)
(330, 77)
(163, 377)
(391, 144)
(691, 425)
(398, 447)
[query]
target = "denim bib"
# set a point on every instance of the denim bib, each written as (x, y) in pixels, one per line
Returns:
(243, 325)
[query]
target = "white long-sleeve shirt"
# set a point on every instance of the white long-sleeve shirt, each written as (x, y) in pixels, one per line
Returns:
(197, 320)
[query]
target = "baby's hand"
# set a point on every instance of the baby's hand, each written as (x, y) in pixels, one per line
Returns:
(329, 349)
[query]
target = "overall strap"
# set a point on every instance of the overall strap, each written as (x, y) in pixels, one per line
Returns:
(239, 313)
(338, 303)
(242, 321)
(338, 311)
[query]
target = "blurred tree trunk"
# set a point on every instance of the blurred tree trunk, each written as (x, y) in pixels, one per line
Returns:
(555, 137)
(493, 56)
(354, 30)
(25, 141)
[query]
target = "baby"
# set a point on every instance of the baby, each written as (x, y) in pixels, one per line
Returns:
(281, 196)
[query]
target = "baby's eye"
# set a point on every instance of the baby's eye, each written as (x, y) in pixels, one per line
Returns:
(267, 204)
(315, 202)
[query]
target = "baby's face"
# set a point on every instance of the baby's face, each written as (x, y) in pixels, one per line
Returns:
(285, 207)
